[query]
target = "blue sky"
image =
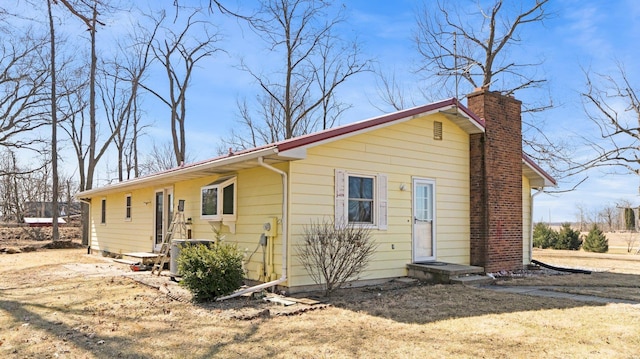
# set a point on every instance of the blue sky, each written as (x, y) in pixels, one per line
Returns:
(585, 34)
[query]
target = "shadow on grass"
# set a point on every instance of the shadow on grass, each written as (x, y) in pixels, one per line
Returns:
(98, 346)
(426, 303)
(595, 279)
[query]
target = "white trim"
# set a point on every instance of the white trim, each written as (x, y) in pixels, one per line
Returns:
(379, 202)
(219, 187)
(382, 207)
(340, 209)
(167, 202)
(374, 199)
(128, 206)
(432, 183)
(103, 211)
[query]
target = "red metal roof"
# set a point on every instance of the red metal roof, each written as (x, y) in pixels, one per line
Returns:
(539, 169)
(375, 122)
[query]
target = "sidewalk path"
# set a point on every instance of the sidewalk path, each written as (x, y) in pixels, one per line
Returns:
(550, 292)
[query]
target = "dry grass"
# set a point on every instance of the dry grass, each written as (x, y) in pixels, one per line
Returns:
(53, 305)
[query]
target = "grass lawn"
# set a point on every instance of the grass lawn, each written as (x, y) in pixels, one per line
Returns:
(51, 309)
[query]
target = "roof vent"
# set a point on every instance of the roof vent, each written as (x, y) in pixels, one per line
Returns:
(437, 130)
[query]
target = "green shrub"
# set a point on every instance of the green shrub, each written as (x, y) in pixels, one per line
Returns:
(596, 241)
(210, 272)
(544, 236)
(568, 238)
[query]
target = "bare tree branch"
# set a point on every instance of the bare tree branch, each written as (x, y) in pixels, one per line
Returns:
(612, 104)
(178, 53)
(299, 97)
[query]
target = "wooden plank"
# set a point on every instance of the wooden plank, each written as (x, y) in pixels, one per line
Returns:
(280, 300)
(141, 255)
(306, 301)
(124, 261)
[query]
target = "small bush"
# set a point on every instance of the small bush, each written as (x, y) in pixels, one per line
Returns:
(595, 241)
(544, 236)
(210, 272)
(568, 238)
(334, 253)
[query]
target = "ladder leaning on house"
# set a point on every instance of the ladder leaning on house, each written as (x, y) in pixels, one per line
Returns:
(178, 225)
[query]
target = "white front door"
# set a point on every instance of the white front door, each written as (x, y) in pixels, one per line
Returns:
(424, 244)
(163, 203)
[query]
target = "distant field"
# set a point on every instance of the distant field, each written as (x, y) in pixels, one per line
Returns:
(618, 242)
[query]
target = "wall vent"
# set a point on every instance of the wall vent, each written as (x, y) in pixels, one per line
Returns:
(437, 130)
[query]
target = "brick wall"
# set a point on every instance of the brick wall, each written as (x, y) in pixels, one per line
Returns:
(496, 183)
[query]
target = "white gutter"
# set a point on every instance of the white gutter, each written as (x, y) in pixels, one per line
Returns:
(540, 190)
(285, 236)
(167, 175)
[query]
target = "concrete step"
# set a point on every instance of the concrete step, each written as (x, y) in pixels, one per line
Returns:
(475, 279)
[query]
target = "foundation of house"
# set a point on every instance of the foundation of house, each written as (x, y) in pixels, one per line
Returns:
(448, 273)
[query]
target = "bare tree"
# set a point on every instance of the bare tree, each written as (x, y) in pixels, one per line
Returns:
(333, 253)
(160, 158)
(87, 12)
(54, 127)
(138, 58)
(179, 52)
(10, 201)
(299, 97)
(475, 48)
(24, 75)
(611, 102)
(451, 45)
(391, 92)
(608, 216)
(119, 93)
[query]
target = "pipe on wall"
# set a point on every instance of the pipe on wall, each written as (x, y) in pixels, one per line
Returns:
(533, 196)
(285, 236)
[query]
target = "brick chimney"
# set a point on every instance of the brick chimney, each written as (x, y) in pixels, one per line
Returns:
(496, 183)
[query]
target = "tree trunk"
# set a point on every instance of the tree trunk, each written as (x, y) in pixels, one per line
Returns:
(54, 132)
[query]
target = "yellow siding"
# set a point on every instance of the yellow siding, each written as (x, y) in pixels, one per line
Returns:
(526, 221)
(403, 151)
(118, 235)
(259, 198)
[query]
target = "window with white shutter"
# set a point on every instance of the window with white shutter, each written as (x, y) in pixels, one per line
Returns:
(361, 199)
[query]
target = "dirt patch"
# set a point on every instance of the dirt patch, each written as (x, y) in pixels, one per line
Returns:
(62, 245)
(29, 239)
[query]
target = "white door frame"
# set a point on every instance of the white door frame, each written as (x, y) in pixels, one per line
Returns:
(167, 210)
(417, 249)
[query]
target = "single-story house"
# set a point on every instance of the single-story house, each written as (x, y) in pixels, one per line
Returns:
(440, 182)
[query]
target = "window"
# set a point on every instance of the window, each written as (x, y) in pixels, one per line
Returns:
(218, 200)
(127, 207)
(103, 211)
(361, 199)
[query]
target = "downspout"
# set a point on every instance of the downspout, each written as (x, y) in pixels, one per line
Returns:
(540, 190)
(87, 201)
(285, 236)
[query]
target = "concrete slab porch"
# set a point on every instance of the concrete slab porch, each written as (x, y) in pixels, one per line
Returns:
(440, 272)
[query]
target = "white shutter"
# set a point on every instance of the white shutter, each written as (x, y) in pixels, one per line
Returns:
(382, 201)
(340, 218)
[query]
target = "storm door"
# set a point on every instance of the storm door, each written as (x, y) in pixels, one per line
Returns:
(424, 244)
(163, 204)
